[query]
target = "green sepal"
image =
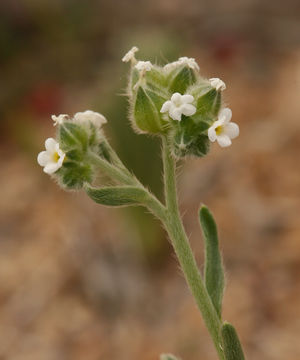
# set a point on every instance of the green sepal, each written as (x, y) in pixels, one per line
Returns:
(213, 273)
(168, 357)
(180, 79)
(190, 141)
(231, 343)
(156, 78)
(117, 195)
(146, 115)
(72, 175)
(72, 135)
(209, 103)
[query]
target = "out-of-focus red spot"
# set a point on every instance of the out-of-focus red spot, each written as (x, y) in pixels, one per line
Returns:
(225, 48)
(45, 99)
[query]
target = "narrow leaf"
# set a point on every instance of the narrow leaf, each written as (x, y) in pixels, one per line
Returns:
(214, 273)
(117, 195)
(168, 357)
(231, 343)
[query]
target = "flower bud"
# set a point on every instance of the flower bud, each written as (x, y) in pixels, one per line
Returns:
(187, 142)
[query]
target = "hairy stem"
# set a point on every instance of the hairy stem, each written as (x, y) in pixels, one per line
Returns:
(124, 177)
(184, 252)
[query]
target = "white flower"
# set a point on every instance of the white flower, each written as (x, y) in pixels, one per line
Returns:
(223, 130)
(130, 54)
(58, 120)
(51, 159)
(217, 83)
(92, 116)
(190, 62)
(171, 66)
(178, 105)
(144, 66)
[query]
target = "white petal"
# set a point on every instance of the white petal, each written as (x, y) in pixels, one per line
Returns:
(188, 109)
(225, 115)
(218, 123)
(51, 167)
(166, 106)
(175, 113)
(187, 98)
(144, 66)
(212, 134)
(217, 83)
(232, 130)
(223, 140)
(43, 158)
(50, 144)
(176, 97)
(130, 54)
(61, 155)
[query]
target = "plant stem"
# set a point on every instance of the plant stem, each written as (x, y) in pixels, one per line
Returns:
(184, 252)
(112, 171)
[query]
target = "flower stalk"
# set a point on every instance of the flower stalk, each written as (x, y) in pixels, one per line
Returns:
(186, 111)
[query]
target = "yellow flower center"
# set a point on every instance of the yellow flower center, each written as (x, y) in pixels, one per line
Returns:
(56, 156)
(219, 130)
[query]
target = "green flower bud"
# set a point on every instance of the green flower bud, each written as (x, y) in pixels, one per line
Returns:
(189, 141)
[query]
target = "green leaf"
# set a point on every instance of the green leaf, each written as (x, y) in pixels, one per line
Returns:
(214, 273)
(117, 195)
(168, 357)
(231, 343)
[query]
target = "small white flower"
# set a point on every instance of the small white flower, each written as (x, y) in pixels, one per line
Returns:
(178, 105)
(223, 130)
(51, 159)
(190, 62)
(171, 65)
(217, 83)
(58, 120)
(89, 115)
(129, 56)
(144, 66)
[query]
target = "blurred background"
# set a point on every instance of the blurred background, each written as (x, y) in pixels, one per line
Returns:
(83, 282)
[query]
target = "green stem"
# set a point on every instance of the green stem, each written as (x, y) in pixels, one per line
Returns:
(112, 171)
(184, 252)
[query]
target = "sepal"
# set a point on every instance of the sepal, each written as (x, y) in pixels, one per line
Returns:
(145, 116)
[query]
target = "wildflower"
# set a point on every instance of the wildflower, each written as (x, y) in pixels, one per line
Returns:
(178, 105)
(129, 56)
(223, 130)
(144, 66)
(217, 83)
(190, 62)
(51, 159)
(95, 118)
(58, 120)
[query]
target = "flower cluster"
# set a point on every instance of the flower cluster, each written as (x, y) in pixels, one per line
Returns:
(67, 157)
(174, 100)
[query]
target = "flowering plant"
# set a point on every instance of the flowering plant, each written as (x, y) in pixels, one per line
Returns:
(186, 111)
